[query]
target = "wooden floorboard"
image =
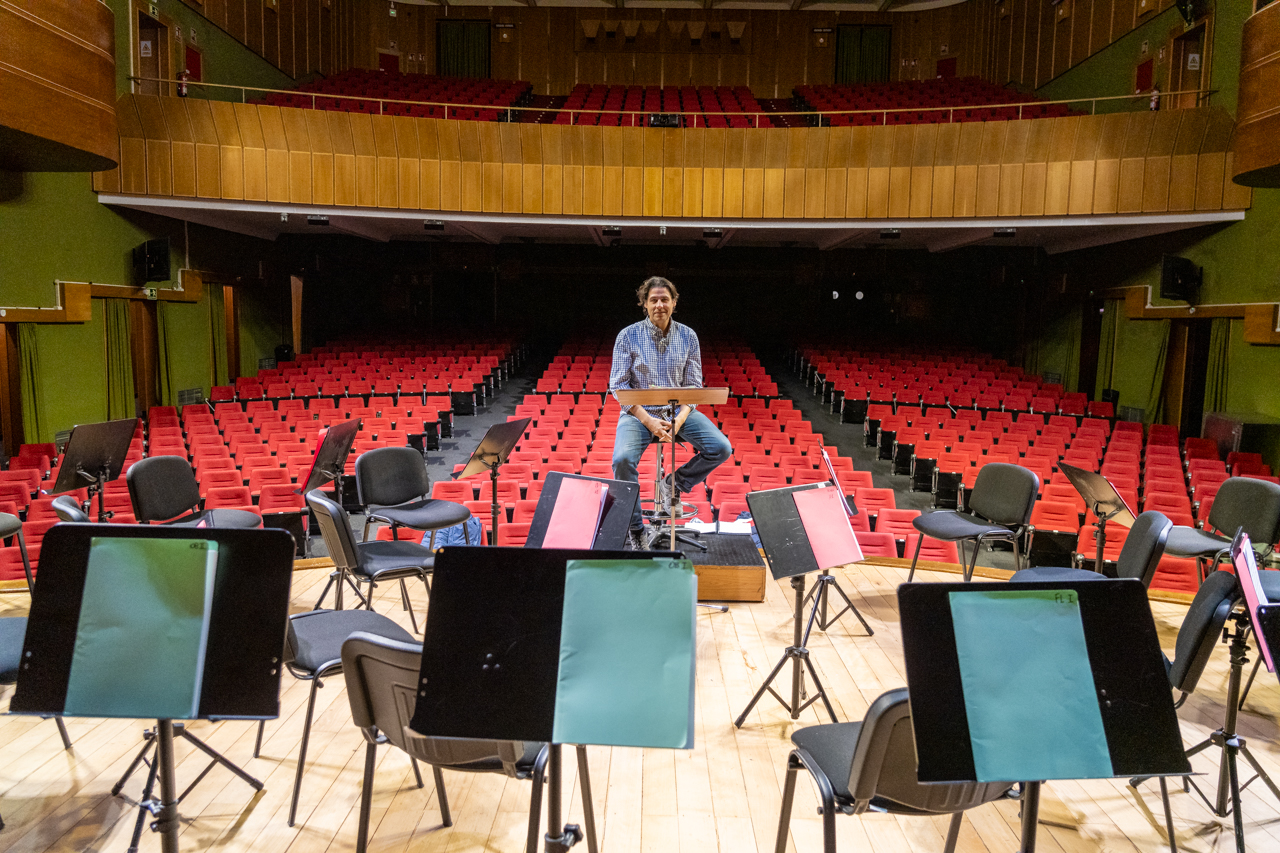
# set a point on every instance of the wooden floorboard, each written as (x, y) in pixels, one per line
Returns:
(723, 795)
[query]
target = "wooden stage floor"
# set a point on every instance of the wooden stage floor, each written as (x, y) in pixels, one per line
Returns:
(721, 796)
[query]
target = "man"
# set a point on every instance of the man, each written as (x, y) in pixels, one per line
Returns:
(658, 352)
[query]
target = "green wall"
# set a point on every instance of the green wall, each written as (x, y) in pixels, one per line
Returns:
(223, 59)
(1241, 262)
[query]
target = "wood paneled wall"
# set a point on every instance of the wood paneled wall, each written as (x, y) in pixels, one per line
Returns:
(1257, 161)
(299, 37)
(1140, 162)
(57, 85)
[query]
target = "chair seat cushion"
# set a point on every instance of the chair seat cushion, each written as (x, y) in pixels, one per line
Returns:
(235, 519)
(9, 525)
(1055, 573)
(1190, 542)
(317, 637)
(428, 514)
(381, 556)
(951, 526)
(12, 631)
(493, 764)
(832, 746)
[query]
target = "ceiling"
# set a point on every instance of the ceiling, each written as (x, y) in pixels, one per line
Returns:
(1054, 234)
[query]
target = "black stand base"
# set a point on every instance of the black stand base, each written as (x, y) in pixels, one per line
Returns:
(798, 654)
(820, 593)
(165, 810)
(570, 833)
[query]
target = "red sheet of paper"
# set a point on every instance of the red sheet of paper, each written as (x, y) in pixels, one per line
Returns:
(576, 515)
(822, 512)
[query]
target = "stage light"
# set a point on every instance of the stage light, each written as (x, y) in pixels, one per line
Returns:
(317, 220)
(890, 234)
(433, 225)
(1005, 233)
(611, 231)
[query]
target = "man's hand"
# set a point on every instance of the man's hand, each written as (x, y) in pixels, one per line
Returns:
(681, 417)
(661, 429)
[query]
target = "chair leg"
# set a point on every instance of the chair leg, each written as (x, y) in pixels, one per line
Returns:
(441, 797)
(364, 534)
(404, 600)
(535, 799)
(26, 561)
(588, 808)
(973, 561)
(953, 832)
(257, 742)
(417, 773)
(919, 542)
(302, 751)
(1017, 555)
(62, 733)
(788, 795)
(366, 797)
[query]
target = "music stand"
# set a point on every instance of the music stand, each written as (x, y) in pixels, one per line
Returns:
(1052, 680)
(95, 453)
(502, 677)
(673, 399)
(87, 639)
(787, 547)
(331, 457)
(1103, 500)
(490, 455)
(619, 505)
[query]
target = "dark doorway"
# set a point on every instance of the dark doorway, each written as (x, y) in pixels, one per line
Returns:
(862, 54)
(462, 49)
(152, 52)
(1196, 375)
(947, 68)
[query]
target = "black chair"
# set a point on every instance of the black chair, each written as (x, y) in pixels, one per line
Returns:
(69, 511)
(871, 765)
(1000, 508)
(1142, 550)
(1240, 502)
(393, 486)
(313, 652)
(367, 562)
(165, 487)
(13, 629)
(382, 686)
(1200, 633)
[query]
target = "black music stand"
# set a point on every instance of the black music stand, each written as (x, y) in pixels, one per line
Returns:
(673, 399)
(331, 457)
(500, 678)
(490, 455)
(1103, 501)
(245, 620)
(94, 454)
(619, 505)
(787, 547)
(1135, 731)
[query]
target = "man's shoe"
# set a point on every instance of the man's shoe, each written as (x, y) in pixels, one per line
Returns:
(665, 497)
(636, 540)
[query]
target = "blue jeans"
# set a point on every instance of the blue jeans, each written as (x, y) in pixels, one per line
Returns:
(633, 437)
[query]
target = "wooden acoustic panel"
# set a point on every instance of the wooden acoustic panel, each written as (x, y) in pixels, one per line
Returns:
(1137, 162)
(1256, 160)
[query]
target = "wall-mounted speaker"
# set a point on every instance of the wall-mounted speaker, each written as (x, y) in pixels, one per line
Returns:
(151, 260)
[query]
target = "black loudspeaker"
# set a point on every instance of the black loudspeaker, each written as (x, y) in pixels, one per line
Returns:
(1112, 396)
(284, 352)
(664, 120)
(151, 260)
(1179, 279)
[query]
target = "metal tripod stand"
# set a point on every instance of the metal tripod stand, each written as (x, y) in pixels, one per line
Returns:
(819, 594)
(160, 741)
(798, 654)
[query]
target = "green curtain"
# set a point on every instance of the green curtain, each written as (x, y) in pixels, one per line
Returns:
(1106, 347)
(218, 329)
(1217, 375)
(168, 351)
(1071, 372)
(33, 427)
(1155, 397)
(862, 54)
(121, 402)
(462, 48)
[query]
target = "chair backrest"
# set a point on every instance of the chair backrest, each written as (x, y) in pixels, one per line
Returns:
(1004, 493)
(1201, 628)
(162, 487)
(68, 509)
(1144, 546)
(884, 764)
(1248, 503)
(335, 527)
(382, 680)
(391, 475)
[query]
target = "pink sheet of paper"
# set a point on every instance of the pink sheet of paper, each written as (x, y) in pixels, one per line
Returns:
(576, 516)
(823, 514)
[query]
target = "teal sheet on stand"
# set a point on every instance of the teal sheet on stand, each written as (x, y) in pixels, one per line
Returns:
(1029, 694)
(627, 654)
(144, 623)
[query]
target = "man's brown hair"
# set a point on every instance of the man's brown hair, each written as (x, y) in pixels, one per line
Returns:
(642, 292)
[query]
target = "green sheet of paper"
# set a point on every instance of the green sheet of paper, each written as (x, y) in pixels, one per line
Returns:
(1028, 687)
(144, 622)
(627, 654)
